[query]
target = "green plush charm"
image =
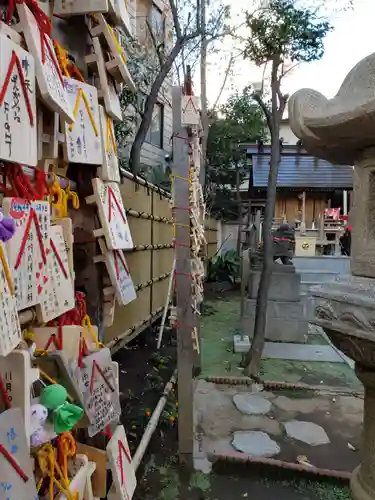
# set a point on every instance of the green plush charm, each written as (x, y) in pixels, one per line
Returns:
(64, 415)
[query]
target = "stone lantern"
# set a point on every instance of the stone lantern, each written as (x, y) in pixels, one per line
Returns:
(342, 130)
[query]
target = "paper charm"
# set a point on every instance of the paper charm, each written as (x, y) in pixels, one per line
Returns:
(116, 66)
(110, 168)
(18, 118)
(124, 480)
(76, 7)
(16, 467)
(16, 379)
(10, 331)
(60, 294)
(27, 249)
(108, 91)
(119, 275)
(48, 74)
(190, 114)
(100, 392)
(83, 141)
(112, 214)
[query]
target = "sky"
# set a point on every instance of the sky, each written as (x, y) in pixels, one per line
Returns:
(352, 39)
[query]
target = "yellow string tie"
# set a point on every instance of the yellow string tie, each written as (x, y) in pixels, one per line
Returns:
(57, 198)
(82, 95)
(118, 46)
(72, 196)
(110, 138)
(8, 276)
(86, 325)
(49, 466)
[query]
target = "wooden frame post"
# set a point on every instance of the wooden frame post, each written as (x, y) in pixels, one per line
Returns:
(185, 316)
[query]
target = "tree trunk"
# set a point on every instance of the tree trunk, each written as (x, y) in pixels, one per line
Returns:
(203, 71)
(254, 355)
(140, 136)
(238, 197)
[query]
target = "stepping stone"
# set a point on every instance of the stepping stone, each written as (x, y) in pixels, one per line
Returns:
(255, 444)
(251, 404)
(301, 352)
(307, 432)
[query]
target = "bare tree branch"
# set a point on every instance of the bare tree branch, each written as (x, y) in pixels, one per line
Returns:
(266, 111)
(226, 74)
(157, 46)
(176, 20)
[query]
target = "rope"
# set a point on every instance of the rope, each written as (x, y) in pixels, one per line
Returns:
(67, 67)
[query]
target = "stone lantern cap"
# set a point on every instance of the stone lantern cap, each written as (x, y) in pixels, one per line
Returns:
(338, 129)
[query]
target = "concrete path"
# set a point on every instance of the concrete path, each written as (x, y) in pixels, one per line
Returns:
(301, 352)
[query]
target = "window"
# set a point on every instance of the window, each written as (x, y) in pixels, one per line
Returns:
(155, 132)
(157, 22)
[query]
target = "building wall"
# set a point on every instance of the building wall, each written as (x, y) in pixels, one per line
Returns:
(288, 205)
(287, 134)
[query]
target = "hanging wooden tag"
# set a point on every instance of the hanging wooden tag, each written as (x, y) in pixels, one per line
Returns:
(119, 11)
(27, 249)
(190, 106)
(83, 141)
(79, 469)
(110, 168)
(78, 7)
(117, 65)
(60, 294)
(16, 468)
(100, 392)
(124, 480)
(48, 74)
(17, 377)
(119, 275)
(99, 477)
(10, 331)
(67, 225)
(18, 118)
(52, 338)
(107, 90)
(112, 214)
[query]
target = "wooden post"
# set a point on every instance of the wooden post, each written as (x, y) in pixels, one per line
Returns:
(185, 316)
(345, 203)
(303, 221)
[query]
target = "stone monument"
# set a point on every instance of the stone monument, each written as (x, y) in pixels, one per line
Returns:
(342, 130)
(286, 320)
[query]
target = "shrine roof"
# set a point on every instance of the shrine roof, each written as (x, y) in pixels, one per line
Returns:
(302, 171)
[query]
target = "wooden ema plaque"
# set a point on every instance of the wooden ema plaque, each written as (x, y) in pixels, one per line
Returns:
(16, 467)
(80, 470)
(10, 331)
(67, 225)
(60, 294)
(83, 141)
(17, 377)
(110, 168)
(18, 120)
(77, 7)
(120, 277)
(48, 74)
(124, 480)
(190, 106)
(100, 391)
(117, 64)
(107, 90)
(27, 249)
(118, 10)
(112, 214)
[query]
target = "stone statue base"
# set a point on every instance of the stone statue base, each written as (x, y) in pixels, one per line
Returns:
(286, 321)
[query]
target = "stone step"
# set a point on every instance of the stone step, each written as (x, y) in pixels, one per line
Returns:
(316, 276)
(339, 264)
